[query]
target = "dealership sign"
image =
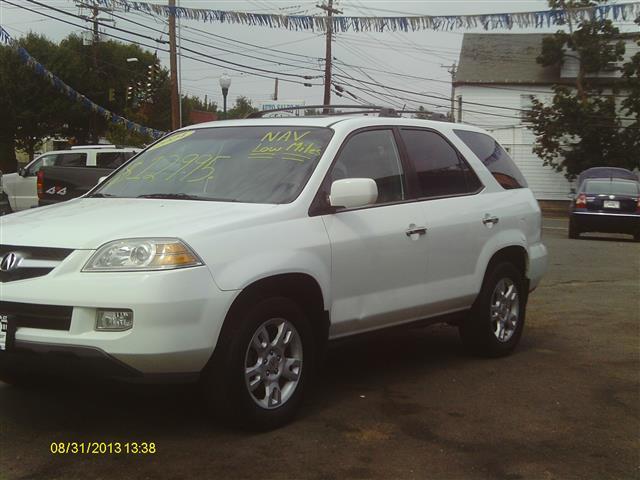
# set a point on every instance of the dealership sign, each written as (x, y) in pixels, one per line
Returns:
(283, 104)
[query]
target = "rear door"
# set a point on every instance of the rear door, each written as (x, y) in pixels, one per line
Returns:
(452, 212)
(377, 264)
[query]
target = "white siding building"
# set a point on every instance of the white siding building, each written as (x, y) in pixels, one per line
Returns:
(496, 77)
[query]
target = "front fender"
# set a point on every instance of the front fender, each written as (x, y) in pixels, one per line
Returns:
(239, 274)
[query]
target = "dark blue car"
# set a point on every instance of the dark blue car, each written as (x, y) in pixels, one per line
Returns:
(609, 204)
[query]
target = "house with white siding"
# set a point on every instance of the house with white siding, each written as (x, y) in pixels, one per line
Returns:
(496, 77)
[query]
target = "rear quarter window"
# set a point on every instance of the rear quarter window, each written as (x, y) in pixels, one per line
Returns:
(494, 157)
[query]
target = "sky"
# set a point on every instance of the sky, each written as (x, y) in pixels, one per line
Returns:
(414, 61)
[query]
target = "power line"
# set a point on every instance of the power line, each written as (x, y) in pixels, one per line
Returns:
(153, 47)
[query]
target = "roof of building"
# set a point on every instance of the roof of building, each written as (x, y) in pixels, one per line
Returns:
(503, 58)
(510, 58)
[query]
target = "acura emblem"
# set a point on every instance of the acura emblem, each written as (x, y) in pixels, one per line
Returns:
(10, 262)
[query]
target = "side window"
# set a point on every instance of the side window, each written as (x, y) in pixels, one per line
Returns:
(494, 158)
(441, 172)
(45, 161)
(374, 155)
(112, 159)
(71, 160)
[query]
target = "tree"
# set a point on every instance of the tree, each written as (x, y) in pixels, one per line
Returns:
(583, 125)
(242, 108)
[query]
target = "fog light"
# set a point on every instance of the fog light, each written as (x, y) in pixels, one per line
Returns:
(114, 320)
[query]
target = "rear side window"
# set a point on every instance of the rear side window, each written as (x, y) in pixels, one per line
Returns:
(494, 158)
(441, 172)
(71, 160)
(112, 159)
(607, 187)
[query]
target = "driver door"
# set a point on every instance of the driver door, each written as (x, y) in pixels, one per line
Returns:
(378, 265)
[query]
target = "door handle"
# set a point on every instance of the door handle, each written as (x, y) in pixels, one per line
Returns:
(414, 230)
(490, 220)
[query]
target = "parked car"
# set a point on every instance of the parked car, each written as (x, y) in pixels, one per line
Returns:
(232, 252)
(61, 183)
(4, 201)
(610, 205)
(606, 172)
(21, 187)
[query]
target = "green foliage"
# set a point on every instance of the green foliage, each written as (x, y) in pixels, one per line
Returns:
(584, 126)
(241, 109)
(33, 110)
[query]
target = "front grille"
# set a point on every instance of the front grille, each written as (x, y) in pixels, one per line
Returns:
(31, 315)
(36, 261)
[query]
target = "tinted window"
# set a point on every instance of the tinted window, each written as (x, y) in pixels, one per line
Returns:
(608, 187)
(441, 172)
(112, 159)
(44, 161)
(373, 155)
(242, 164)
(71, 160)
(494, 157)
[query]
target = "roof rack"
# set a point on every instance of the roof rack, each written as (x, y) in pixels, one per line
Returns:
(101, 145)
(329, 110)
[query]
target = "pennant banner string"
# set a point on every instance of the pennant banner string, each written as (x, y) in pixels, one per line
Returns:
(493, 21)
(61, 86)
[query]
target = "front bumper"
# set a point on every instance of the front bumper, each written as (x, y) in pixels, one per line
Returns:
(177, 317)
(606, 222)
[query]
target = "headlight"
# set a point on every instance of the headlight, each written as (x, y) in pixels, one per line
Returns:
(136, 254)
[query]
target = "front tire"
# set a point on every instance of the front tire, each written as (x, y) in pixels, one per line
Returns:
(262, 365)
(495, 324)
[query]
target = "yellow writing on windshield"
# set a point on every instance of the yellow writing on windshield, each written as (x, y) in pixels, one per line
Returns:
(172, 138)
(286, 145)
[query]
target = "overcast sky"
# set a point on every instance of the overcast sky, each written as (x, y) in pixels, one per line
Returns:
(391, 59)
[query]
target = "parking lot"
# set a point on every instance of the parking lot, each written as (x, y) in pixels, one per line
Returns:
(407, 404)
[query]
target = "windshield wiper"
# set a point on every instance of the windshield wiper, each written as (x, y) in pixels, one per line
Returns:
(173, 196)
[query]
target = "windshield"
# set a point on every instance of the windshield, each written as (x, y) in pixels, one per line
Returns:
(234, 164)
(608, 187)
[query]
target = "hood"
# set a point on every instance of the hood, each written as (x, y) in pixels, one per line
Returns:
(87, 223)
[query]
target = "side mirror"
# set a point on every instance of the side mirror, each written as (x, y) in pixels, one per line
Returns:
(102, 179)
(22, 172)
(353, 192)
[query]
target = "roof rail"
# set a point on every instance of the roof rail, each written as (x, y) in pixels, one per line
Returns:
(329, 110)
(78, 147)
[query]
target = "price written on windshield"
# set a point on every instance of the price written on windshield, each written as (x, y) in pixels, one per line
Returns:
(191, 168)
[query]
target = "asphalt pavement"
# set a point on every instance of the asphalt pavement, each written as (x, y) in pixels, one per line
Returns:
(406, 404)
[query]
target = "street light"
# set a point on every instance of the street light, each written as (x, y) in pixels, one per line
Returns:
(225, 83)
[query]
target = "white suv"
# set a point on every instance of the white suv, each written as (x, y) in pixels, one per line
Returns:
(231, 252)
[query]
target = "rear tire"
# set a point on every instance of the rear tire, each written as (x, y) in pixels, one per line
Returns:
(262, 365)
(496, 321)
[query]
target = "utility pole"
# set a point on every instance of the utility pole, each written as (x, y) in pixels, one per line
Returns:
(327, 56)
(459, 108)
(275, 91)
(173, 67)
(452, 69)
